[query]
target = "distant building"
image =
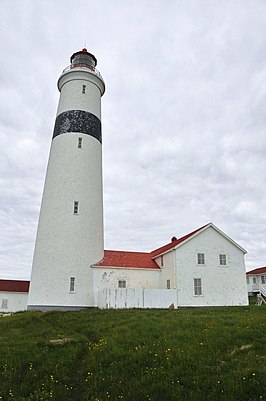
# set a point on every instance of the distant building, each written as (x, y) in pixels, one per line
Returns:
(13, 295)
(256, 281)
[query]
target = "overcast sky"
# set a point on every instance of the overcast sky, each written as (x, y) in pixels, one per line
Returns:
(183, 116)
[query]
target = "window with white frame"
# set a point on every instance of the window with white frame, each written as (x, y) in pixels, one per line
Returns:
(76, 207)
(222, 259)
(161, 260)
(168, 284)
(263, 279)
(197, 286)
(122, 284)
(247, 279)
(254, 280)
(72, 284)
(83, 89)
(201, 258)
(79, 143)
(4, 303)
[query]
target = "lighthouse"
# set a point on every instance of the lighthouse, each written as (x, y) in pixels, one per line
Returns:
(70, 230)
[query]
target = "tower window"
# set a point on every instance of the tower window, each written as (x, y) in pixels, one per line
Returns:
(79, 143)
(168, 284)
(121, 283)
(72, 284)
(201, 259)
(76, 207)
(197, 286)
(83, 89)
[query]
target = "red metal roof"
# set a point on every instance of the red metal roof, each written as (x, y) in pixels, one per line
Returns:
(140, 259)
(172, 244)
(259, 270)
(14, 285)
(128, 259)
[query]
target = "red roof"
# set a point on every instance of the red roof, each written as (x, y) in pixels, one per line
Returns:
(259, 270)
(128, 259)
(14, 285)
(142, 260)
(172, 244)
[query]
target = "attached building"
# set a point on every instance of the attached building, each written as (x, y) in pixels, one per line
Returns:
(202, 268)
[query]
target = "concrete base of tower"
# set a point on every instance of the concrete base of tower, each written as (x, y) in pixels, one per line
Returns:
(45, 308)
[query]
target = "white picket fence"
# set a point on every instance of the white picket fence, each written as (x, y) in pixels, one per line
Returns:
(120, 298)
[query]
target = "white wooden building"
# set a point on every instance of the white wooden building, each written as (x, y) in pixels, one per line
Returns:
(202, 268)
(256, 281)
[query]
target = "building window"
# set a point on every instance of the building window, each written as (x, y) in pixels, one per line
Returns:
(197, 286)
(201, 259)
(263, 279)
(72, 284)
(168, 284)
(83, 89)
(247, 279)
(161, 260)
(4, 303)
(76, 207)
(222, 258)
(121, 283)
(80, 143)
(254, 280)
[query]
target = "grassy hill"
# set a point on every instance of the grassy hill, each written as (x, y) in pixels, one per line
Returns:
(97, 355)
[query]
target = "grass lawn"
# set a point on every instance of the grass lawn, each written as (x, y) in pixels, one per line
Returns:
(207, 354)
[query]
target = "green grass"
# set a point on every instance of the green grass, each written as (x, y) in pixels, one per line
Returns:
(135, 355)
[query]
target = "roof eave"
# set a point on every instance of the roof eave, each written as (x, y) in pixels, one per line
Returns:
(228, 238)
(127, 267)
(197, 233)
(174, 247)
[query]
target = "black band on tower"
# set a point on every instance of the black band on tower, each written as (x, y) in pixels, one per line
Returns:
(78, 121)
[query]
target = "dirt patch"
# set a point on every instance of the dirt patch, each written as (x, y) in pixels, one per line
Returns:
(61, 341)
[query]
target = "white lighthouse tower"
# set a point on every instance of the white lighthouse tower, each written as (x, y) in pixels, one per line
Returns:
(70, 231)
